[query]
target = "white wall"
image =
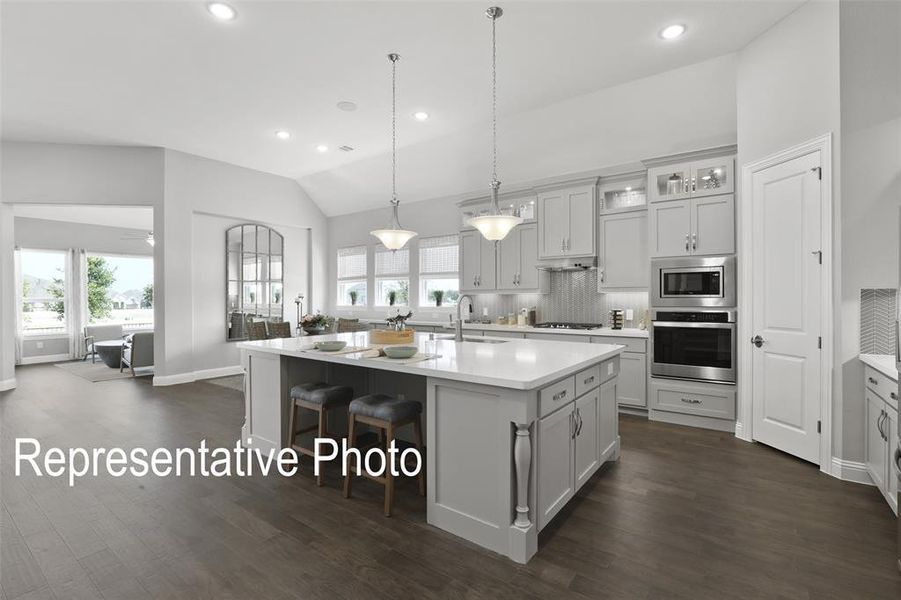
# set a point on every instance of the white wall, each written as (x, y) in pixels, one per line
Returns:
(870, 34)
(44, 234)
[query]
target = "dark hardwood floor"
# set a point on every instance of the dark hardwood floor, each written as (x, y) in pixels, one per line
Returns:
(686, 513)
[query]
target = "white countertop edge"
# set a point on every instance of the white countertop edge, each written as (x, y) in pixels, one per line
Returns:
(604, 331)
(884, 363)
(417, 368)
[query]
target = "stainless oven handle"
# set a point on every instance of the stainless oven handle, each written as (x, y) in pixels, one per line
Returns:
(730, 325)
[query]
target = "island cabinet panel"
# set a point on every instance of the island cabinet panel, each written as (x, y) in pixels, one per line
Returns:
(586, 437)
(875, 442)
(881, 433)
(556, 463)
(608, 427)
(556, 395)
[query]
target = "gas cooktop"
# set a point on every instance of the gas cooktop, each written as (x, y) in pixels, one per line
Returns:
(561, 325)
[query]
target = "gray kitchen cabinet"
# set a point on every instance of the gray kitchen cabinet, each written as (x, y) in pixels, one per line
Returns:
(517, 257)
(559, 337)
(566, 221)
(607, 416)
(633, 374)
(556, 463)
(623, 251)
(587, 453)
(694, 179)
(875, 456)
(478, 260)
(694, 226)
(881, 433)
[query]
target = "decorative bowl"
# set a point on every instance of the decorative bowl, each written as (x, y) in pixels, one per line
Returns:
(400, 351)
(330, 346)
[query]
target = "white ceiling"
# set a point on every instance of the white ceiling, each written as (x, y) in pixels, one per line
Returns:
(167, 74)
(126, 217)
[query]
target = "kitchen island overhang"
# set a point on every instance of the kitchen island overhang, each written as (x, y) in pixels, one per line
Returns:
(512, 427)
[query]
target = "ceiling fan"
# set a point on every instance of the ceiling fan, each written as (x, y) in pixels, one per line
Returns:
(147, 237)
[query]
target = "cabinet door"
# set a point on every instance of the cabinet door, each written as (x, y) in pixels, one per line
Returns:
(470, 260)
(487, 266)
(671, 182)
(556, 465)
(580, 240)
(670, 228)
(623, 251)
(713, 225)
(713, 176)
(607, 415)
(529, 277)
(508, 260)
(890, 427)
(587, 451)
(633, 380)
(553, 220)
(875, 446)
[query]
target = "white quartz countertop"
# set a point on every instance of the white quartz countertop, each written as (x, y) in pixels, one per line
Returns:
(884, 363)
(515, 364)
(601, 331)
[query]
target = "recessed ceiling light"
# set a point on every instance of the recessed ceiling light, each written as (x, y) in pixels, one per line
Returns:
(322, 148)
(420, 116)
(672, 32)
(222, 11)
(283, 135)
(347, 106)
(628, 188)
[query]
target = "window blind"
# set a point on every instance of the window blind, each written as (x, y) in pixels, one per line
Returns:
(352, 262)
(392, 262)
(439, 254)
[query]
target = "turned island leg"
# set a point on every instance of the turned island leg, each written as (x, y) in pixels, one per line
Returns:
(522, 460)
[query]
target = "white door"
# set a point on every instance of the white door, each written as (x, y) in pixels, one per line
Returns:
(670, 228)
(623, 251)
(587, 451)
(553, 218)
(713, 225)
(580, 240)
(555, 463)
(528, 257)
(786, 239)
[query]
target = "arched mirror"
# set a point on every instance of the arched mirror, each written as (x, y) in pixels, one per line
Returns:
(254, 278)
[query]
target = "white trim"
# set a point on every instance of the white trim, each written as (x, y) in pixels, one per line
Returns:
(822, 144)
(36, 360)
(192, 376)
(740, 432)
(7, 384)
(849, 470)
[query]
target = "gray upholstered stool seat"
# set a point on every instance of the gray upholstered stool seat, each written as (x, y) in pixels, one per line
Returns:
(322, 394)
(385, 408)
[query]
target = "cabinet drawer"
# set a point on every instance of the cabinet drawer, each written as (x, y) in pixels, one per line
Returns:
(706, 401)
(881, 385)
(631, 344)
(556, 395)
(588, 379)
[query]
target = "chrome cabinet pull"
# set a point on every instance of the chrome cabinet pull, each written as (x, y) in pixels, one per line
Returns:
(602, 275)
(694, 241)
(686, 242)
(879, 424)
(579, 417)
(589, 380)
(691, 401)
(893, 395)
(559, 396)
(873, 381)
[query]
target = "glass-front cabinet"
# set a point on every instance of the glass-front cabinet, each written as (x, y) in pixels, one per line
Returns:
(704, 177)
(254, 278)
(712, 176)
(671, 182)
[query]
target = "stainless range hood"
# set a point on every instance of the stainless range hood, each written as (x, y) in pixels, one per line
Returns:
(568, 264)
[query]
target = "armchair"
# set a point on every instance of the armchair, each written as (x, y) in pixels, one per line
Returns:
(137, 351)
(99, 333)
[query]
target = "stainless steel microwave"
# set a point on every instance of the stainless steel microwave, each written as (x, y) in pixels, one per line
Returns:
(693, 281)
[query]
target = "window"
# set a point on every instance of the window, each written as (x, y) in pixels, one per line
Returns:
(43, 291)
(392, 277)
(438, 270)
(120, 291)
(352, 276)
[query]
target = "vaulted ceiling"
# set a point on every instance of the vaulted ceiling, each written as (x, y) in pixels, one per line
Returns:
(168, 74)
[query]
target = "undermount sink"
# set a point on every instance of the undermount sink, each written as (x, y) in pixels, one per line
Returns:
(472, 339)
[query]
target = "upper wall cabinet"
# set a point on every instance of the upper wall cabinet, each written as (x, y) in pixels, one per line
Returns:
(517, 258)
(623, 251)
(566, 219)
(704, 177)
(694, 226)
(478, 263)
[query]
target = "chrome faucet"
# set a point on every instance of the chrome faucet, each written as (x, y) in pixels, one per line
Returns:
(458, 326)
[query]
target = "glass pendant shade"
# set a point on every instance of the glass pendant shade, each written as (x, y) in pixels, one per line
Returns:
(394, 237)
(495, 227)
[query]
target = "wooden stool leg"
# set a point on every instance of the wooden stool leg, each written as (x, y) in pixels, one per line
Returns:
(292, 424)
(417, 433)
(352, 442)
(389, 478)
(321, 434)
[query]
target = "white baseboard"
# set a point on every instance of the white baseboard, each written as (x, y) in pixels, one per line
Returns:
(7, 384)
(740, 432)
(849, 470)
(193, 376)
(35, 360)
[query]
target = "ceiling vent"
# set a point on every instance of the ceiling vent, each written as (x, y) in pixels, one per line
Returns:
(346, 148)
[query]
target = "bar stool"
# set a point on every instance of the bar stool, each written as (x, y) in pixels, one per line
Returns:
(387, 413)
(319, 397)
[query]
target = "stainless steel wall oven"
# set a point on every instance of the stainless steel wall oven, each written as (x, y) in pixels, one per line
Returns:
(697, 345)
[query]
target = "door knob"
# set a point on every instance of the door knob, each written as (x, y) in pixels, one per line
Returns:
(757, 341)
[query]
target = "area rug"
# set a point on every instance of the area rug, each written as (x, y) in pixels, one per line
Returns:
(96, 371)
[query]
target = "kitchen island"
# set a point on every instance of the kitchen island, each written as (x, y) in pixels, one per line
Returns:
(513, 427)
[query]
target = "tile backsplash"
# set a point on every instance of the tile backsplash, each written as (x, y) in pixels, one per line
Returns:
(877, 321)
(573, 297)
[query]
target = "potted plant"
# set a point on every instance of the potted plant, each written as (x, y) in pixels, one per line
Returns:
(315, 324)
(438, 295)
(353, 297)
(392, 297)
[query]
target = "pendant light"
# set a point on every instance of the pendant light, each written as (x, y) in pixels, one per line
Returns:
(393, 237)
(494, 226)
